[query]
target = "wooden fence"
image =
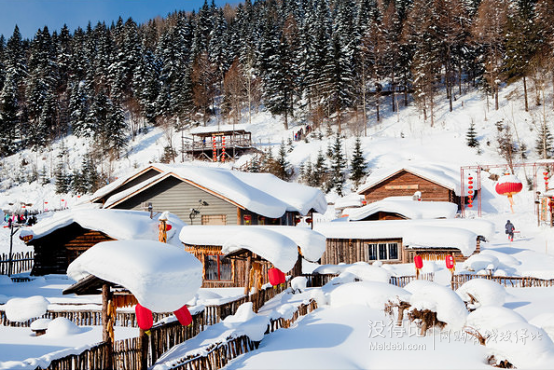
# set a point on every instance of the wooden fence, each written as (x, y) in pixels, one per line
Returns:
(507, 281)
(21, 262)
(94, 358)
(86, 317)
(319, 280)
(219, 354)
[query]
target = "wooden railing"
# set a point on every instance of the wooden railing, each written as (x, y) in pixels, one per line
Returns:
(507, 281)
(21, 262)
(319, 280)
(97, 357)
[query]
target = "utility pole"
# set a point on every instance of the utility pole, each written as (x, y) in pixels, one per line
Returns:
(12, 233)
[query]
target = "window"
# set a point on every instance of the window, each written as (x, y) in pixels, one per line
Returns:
(214, 219)
(218, 268)
(382, 251)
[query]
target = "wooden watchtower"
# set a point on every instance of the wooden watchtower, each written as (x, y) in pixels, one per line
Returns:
(219, 144)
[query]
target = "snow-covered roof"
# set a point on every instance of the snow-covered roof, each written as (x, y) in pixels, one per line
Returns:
(162, 277)
(311, 243)
(350, 200)
(118, 224)
(103, 191)
(263, 194)
(221, 128)
(445, 176)
(404, 206)
(452, 233)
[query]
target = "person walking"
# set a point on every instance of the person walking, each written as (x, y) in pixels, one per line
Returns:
(510, 228)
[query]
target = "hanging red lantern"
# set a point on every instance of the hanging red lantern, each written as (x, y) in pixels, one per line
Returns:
(418, 262)
(144, 317)
(247, 217)
(449, 260)
(276, 276)
(509, 185)
(309, 220)
(168, 227)
(183, 315)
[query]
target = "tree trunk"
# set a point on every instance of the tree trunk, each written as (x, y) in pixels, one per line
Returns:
(525, 94)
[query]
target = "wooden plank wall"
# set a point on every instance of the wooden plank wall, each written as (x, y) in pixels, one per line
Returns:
(352, 250)
(402, 181)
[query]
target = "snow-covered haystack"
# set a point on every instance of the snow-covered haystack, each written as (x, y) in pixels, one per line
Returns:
(481, 292)
(435, 305)
(162, 277)
(368, 293)
(23, 309)
(480, 261)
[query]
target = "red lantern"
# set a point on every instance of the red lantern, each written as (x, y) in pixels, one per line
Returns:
(309, 220)
(144, 317)
(418, 262)
(168, 227)
(508, 185)
(276, 276)
(247, 217)
(449, 260)
(183, 315)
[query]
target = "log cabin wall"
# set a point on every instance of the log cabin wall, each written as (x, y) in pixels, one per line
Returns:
(381, 216)
(355, 250)
(405, 183)
(55, 251)
(238, 268)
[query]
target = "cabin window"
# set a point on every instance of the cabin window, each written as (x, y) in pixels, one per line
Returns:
(214, 220)
(382, 251)
(218, 268)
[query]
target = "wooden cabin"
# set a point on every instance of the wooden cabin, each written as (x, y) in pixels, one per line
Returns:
(285, 243)
(55, 251)
(60, 239)
(212, 196)
(399, 241)
(427, 182)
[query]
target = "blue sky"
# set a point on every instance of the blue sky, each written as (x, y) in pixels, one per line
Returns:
(30, 15)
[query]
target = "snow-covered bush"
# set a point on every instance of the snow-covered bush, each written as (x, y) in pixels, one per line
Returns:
(485, 321)
(482, 292)
(435, 305)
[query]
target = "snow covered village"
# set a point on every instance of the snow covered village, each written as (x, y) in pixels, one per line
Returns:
(280, 185)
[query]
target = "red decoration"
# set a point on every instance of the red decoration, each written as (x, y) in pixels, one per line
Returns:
(418, 262)
(276, 276)
(168, 227)
(309, 220)
(508, 185)
(247, 217)
(183, 315)
(144, 317)
(449, 260)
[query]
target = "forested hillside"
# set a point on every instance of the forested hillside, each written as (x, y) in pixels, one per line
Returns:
(323, 62)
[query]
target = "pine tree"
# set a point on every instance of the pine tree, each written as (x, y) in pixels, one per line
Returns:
(63, 181)
(320, 173)
(544, 142)
(285, 171)
(471, 136)
(357, 164)
(338, 165)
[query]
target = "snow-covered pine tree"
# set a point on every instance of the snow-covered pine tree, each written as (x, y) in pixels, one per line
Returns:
(320, 173)
(357, 164)
(8, 117)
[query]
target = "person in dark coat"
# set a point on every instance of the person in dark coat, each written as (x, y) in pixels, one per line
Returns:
(510, 228)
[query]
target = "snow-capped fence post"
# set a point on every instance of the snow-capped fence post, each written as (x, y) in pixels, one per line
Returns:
(107, 321)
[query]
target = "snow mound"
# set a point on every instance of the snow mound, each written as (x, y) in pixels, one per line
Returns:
(484, 293)
(368, 293)
(487, 320)
(5, 280)
(544, 321)
(366, 272)
(503, 258)
(299, 283)
(40, 324)
(62, 327)
(481, 262)
(23, 309)
(524, 345)
(447, 304)
(162, 277)
(417, 285)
